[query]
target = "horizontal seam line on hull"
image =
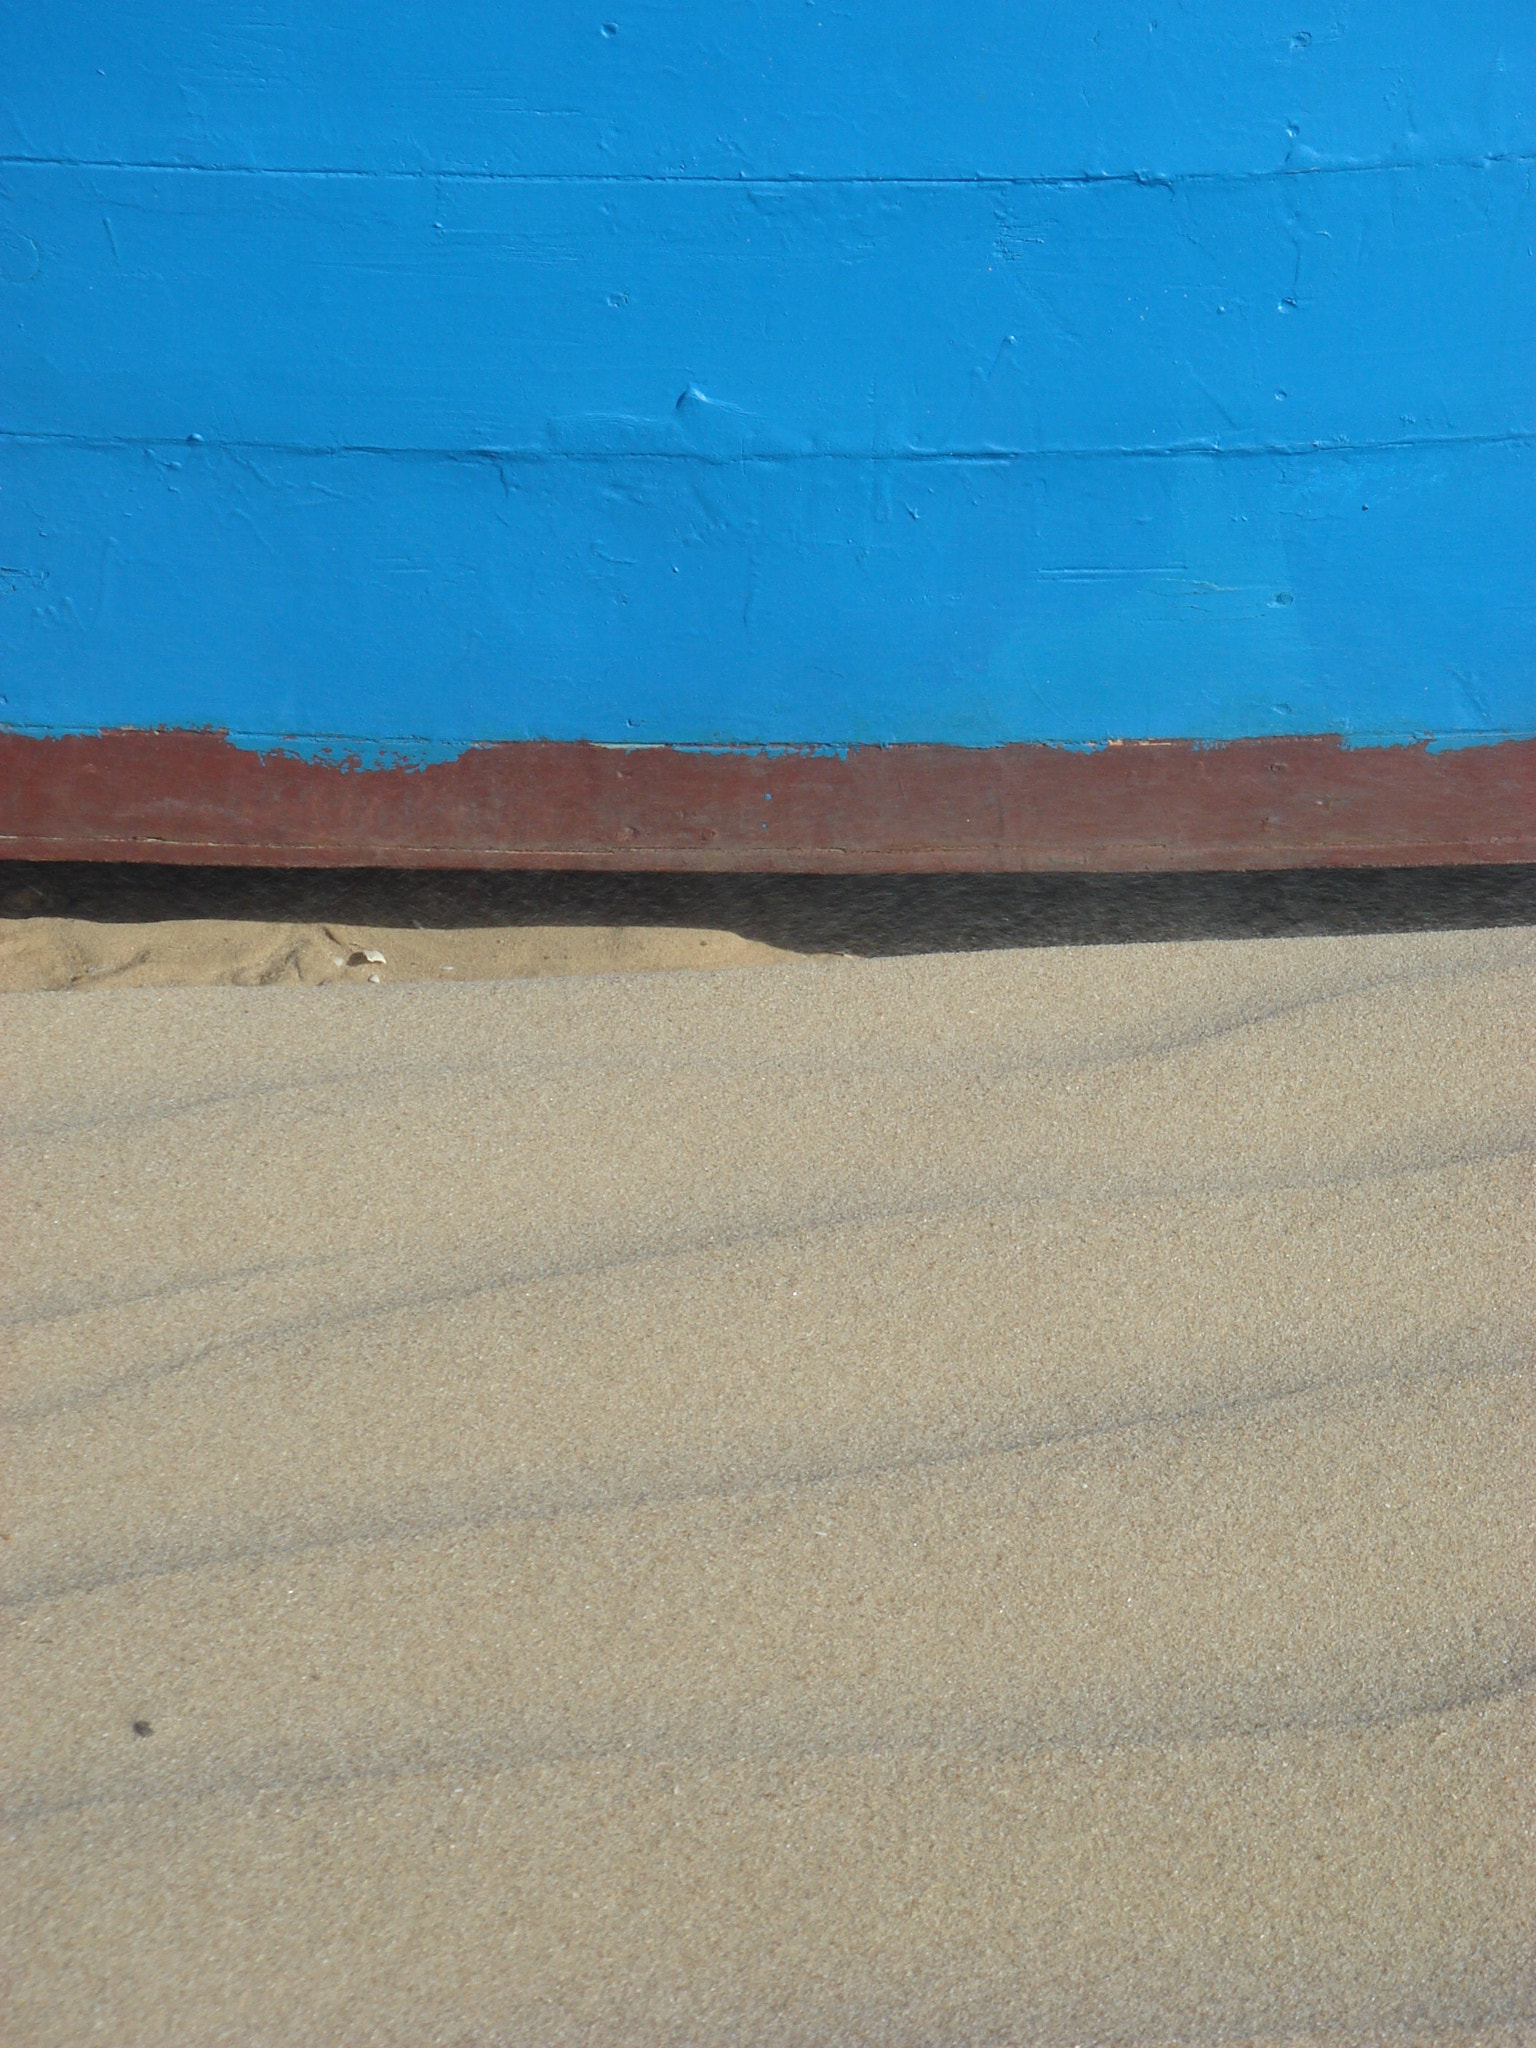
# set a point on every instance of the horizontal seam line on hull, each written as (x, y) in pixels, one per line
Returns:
(816, 849)
(746, 180)
(1273, 450)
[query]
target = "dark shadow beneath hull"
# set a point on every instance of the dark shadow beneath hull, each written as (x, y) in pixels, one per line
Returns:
(867, 915)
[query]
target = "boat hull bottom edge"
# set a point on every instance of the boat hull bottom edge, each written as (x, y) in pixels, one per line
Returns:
(196, 797)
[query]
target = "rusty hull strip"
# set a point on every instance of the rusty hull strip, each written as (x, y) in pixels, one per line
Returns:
(1312, 802)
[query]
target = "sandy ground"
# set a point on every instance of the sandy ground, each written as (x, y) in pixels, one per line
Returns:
(85, 953)
(962, 1499)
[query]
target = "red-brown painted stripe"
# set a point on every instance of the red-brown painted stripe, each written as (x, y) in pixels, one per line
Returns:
(179, 796)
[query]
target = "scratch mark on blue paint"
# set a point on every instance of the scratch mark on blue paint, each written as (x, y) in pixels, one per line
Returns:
(1044, 181)
(1194, 450)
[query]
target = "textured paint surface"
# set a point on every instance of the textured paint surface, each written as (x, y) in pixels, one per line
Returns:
(379, 385)
(539, 803)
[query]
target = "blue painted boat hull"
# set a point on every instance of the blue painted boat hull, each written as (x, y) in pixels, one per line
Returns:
(758, 381)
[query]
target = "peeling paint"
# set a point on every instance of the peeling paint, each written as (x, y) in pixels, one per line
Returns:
(178, 796)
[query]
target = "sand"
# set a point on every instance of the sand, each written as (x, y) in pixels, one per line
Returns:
(89, 953)
(962, 1499)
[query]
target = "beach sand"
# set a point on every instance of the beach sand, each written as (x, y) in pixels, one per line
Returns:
(88, 953)
(962, 1499)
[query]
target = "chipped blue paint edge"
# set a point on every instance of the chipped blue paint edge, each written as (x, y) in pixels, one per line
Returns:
(362, 753)
(1453, 742)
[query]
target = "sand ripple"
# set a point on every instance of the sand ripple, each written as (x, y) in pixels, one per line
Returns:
(966, 1499)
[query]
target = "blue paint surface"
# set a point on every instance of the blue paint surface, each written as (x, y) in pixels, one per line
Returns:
(767, 374)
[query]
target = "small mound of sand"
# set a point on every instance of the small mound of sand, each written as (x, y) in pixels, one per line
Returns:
(75, 952)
